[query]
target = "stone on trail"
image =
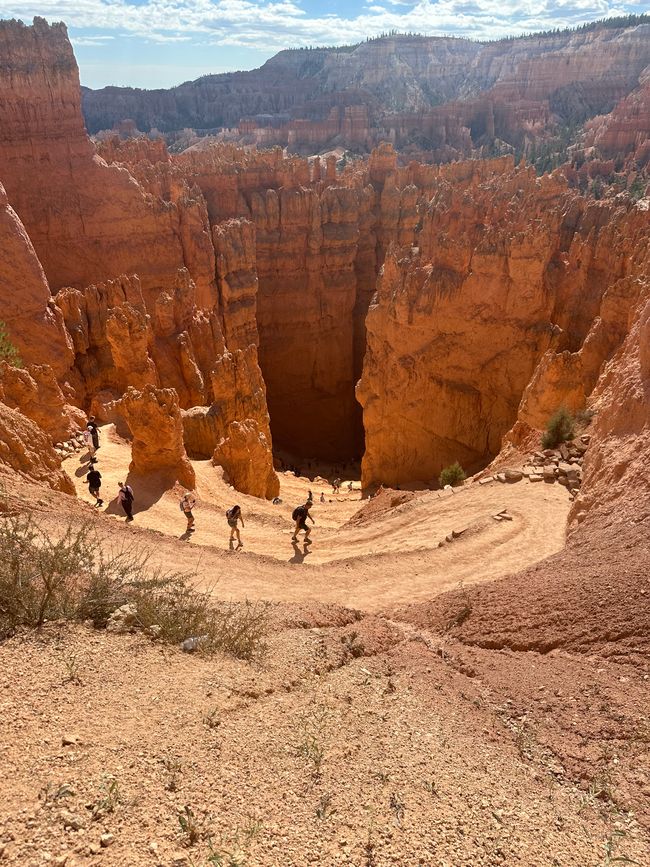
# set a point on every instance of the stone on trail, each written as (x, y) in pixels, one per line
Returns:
(123, 619)
(501, 477)
(513, 475)
(457, 533)
(486, 481)
(535, 477)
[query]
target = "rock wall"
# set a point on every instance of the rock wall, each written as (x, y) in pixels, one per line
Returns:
(616, 487)
(25, 448)
(149, 292)
(518, 293)
(316, 242)
(34, 325)
(87, 221)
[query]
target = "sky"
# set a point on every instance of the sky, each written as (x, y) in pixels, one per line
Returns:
(160, 43)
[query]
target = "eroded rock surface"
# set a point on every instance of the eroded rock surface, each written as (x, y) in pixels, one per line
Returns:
(154, 418)
(246, 458)
(25, 448)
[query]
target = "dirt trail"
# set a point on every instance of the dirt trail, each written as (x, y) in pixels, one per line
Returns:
(389, 561)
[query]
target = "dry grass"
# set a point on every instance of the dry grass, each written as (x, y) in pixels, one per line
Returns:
(69, 578)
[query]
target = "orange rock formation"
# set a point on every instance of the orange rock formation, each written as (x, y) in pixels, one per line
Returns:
(519, 288)
(154, 418)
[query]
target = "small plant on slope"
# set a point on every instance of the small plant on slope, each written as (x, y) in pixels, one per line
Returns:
(559, 429)
(8, 351)
(452, 475)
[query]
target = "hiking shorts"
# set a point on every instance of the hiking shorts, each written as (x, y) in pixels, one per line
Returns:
(94, 492)
(302, 524)
(232, 523)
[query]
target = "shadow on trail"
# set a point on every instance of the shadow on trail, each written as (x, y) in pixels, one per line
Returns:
(298, 555)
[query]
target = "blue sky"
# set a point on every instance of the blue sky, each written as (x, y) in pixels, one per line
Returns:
(159, 43)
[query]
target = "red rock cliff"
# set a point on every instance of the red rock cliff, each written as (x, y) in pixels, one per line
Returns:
(519, 289)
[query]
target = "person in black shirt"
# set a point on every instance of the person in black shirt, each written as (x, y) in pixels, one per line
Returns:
(300, 515)
(94, 480)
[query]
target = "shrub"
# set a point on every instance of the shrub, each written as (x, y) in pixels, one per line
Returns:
(8, 351)
(452, 475)
(559, 429)
(42, 578)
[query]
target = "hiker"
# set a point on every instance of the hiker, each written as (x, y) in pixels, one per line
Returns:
(188, 502)
(350, 486)
(125, 496)
(94, 480)
(88, 442)
(310, 496)
(94, 431)
(300, 515)
(336, 484)
(322, 497)
(233, 516)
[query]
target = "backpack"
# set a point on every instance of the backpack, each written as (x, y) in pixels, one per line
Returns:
(230, 513)
(128, 493)
(182, 505)
(298, 513)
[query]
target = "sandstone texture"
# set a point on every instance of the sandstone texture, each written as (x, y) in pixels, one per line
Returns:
(517, 294)
(25, 448)
(34, 325)
(36, 393)
(154, 419)
(246, 458)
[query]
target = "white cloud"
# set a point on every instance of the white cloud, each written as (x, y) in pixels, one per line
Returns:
(91, 40)
(275, 24)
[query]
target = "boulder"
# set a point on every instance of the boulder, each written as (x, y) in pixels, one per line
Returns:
(513, 475)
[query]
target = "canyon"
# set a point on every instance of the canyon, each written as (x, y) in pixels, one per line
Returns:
(434, 98)
(245, 280)
(449, 675)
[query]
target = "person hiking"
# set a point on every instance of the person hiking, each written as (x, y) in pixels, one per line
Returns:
(300, 515)
(188, 502)
(233, 516)
(322, 496)
(336, 484)
(94, 431)
(94, 480)
(88, 442)
(125, 496)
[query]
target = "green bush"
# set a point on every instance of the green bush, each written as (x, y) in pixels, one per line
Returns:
(44, 578)
(559, 429)
(452, 475)
(8, 351)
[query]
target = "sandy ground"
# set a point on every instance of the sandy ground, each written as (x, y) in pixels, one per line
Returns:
(359, 738)
(392, 560)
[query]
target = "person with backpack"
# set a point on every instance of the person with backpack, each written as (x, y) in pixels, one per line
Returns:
(233, 516)
(336, 484)
(188, 502)
(94, 433)
(94, 481)
(300, 515)
(125, 496)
